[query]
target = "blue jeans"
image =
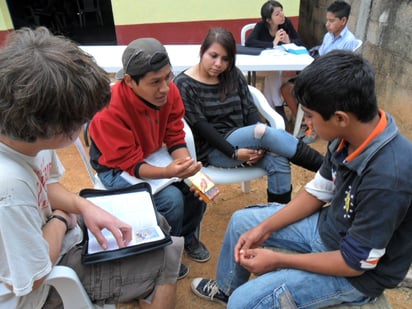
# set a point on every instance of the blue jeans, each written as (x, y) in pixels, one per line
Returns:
(279, 146)
(284, 288)
(181, 208)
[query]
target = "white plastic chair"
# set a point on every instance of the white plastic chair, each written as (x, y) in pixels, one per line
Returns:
(97, 183)
(358, 46)
(299, 114)
(251, 75)
(66, 282)
(244, 31)
(244, 175)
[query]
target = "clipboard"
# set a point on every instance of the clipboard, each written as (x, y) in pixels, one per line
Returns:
(133, 205)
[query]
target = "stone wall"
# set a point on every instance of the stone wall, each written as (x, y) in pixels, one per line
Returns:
(385, 27)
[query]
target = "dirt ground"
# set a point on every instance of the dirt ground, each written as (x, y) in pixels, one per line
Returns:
(213, 226)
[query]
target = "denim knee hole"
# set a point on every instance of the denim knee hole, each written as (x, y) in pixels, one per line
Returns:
(284, 298)
(259, 130)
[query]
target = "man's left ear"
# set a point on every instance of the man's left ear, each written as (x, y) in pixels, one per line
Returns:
(344, 20)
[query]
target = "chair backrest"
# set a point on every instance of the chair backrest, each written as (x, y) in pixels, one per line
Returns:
(85, 158)
(275, 119)
(359, 41)
(7, 299)
(244, 31)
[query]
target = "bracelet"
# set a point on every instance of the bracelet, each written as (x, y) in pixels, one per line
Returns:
(62, 219)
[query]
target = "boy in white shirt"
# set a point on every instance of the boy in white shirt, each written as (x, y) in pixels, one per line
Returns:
(49, 88)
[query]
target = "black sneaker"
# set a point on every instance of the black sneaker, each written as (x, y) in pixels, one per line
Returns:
(208, 289)
(183, 271)
(197, 251)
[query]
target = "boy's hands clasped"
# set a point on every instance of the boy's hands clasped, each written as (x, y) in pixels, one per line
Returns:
(281, 36)
(254, 259)
(250, 156)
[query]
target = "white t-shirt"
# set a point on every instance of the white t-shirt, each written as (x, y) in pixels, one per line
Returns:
(24, 208)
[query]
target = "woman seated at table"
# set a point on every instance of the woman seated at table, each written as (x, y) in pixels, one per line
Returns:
(226, 125)
(274, 29)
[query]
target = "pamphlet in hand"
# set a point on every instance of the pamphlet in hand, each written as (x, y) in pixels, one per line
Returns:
(133, 205)
(204, 185)
(159, 158)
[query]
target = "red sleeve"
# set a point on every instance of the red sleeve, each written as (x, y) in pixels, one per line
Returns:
(113, 139)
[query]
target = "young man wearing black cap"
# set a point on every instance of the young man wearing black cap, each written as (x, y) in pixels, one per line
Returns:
(145, 113)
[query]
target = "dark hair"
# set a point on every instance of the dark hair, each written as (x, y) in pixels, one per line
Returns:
(48, 86)
(267, 9)
(227, 41)
(338, 81)
(340, 9)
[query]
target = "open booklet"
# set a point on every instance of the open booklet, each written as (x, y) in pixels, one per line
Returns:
(133, 205)
(159, 158)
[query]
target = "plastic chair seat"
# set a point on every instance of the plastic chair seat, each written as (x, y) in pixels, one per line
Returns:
(66, 282)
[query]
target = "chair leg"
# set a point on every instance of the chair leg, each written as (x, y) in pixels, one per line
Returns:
(80, 19)
(298, 121)
(245, 186)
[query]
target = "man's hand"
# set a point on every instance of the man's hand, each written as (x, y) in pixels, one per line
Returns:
(250, 239)
(183, 168)
(97, 219)
(258, 261)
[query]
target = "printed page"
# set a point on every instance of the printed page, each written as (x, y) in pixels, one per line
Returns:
(275, 51)
(136, 209)
(159, 158)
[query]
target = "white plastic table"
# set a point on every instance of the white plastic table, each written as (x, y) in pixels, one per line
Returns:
(182, 56)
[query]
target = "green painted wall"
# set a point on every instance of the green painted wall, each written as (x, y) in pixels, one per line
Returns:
(143, 11)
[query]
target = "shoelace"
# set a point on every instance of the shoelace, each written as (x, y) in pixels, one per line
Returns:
(211, 289)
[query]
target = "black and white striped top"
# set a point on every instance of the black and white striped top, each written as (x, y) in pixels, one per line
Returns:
(212, 119)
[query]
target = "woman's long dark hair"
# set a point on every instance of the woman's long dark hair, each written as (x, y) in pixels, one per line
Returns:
(227, 79)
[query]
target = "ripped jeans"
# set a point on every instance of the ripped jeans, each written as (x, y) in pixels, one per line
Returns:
(284, 288)
(279, 146)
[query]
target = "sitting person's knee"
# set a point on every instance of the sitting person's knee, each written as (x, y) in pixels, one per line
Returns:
(259, 131)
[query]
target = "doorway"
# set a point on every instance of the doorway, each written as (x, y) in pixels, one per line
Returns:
(67, 17)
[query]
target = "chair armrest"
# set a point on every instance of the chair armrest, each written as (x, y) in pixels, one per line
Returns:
(314, 48)
(275, 120)
(64, 280)
(67, 283)
(4, 290)
(190, 141)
